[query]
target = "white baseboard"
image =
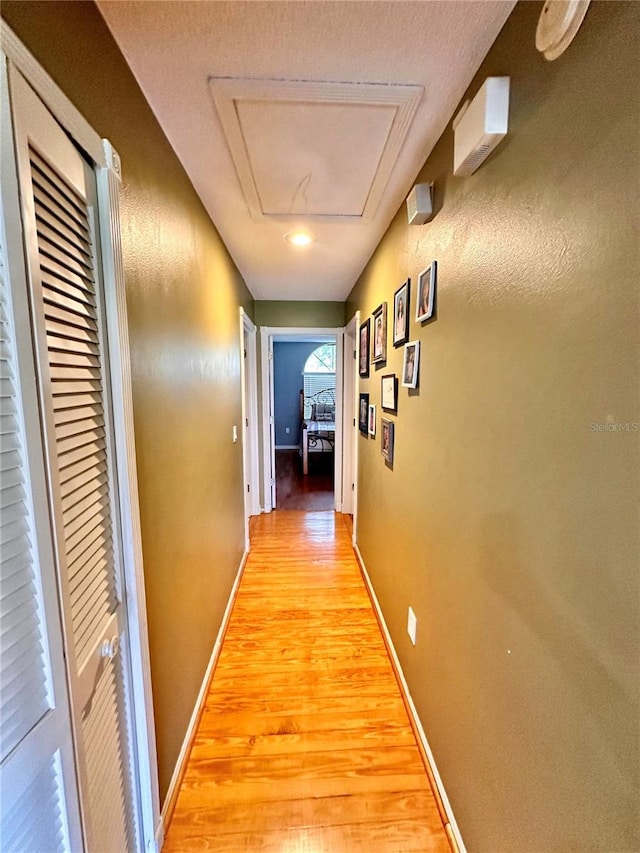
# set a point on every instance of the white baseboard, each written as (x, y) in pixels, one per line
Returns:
(453, 826)
(287, 447)
(176, 779)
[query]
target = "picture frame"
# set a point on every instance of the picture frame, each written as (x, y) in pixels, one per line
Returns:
(364, 342)
(363, 414)
(387, 439)
(389, 392)
(401, 313)
(372, 421)
(425, 296)
(379, 331)
(411, 364)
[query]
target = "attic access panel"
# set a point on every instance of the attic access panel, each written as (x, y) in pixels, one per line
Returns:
(315, 149)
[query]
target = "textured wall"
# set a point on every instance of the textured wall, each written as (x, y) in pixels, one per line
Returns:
(183, 294)
(509, 523)
(302, 314)
(289, 359)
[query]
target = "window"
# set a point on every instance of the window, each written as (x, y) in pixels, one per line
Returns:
(319, 376)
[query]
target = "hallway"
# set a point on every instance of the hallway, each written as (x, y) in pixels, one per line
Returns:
(304, 743)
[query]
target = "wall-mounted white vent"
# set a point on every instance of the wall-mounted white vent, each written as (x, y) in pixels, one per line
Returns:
(480, 125)
(419, 204)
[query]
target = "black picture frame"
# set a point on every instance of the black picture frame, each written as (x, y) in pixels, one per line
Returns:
(401, 315)
(364, 347)
(379, 334)
(387, 439)
(363, 414)
(389, 392)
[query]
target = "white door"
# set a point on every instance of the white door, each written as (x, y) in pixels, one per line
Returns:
(349, 415)
(67, 320)
(38, 790)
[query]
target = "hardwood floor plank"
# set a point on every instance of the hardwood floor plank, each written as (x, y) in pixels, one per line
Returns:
(304, 743)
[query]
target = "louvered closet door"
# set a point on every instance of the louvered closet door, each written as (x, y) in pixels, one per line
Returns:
(37, 778)
(59, 215)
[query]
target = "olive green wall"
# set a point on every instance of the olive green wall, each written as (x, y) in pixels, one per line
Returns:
(302, 314)
(183, 295)
(509, 521)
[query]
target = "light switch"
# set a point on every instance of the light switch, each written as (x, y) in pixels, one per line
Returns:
(235, 433)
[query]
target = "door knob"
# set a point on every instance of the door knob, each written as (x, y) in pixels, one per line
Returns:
(109, 648)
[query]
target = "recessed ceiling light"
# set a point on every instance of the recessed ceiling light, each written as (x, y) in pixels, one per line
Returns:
(300, 238)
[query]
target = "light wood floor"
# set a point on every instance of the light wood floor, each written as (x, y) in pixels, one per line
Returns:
(304, 745)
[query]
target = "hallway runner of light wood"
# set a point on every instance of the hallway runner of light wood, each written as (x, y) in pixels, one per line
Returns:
(304, 745)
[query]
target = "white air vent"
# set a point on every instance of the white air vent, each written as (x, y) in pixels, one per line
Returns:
(480, 125)
(419, 204)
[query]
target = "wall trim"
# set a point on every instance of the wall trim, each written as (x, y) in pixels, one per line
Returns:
(444, 806)
(181, 764)
(287, 447)
(48, 91)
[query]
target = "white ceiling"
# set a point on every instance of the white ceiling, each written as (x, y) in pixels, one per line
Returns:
(296, 113)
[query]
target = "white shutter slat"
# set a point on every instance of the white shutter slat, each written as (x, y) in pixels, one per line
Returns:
(107, 778)
(53, 253)
(45, 195)
(72, 353)
(74, 401)
(66, 348)
(58, 281)
(97, 522)
(80, 412)
(86, 566)
(76, 387)
(18, 649)
(92, 449)
(11, 495)
(78, 505)
(15, 547)
(34, 823)
(68, 443)
(14, 575)
(59, 299)
(69, 200)
(13, 511)
(74, 321)
(76, 496)
(84, 467)
(74, 426)
(50, 216)
(67, 334)
(84, 551)
(26, 689)
(79, 475)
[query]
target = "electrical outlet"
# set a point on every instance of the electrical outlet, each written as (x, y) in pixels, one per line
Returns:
(287, 430)
(412, 625)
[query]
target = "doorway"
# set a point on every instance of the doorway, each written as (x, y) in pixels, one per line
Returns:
(302, 387)
(304, 373)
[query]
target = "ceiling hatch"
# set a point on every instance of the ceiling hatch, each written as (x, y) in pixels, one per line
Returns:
(315, 149)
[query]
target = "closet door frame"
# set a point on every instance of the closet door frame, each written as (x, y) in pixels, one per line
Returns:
(108, 174)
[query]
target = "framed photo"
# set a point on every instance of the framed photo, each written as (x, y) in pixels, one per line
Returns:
(426, 292)
(401, 314)
(379, 349)
(365, 334)
(389, 392)
(387, 431)
(410, 364)
(363, 414)
(372, 421)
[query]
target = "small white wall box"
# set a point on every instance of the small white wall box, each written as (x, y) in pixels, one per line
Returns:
(480, 125)
(419, 204)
